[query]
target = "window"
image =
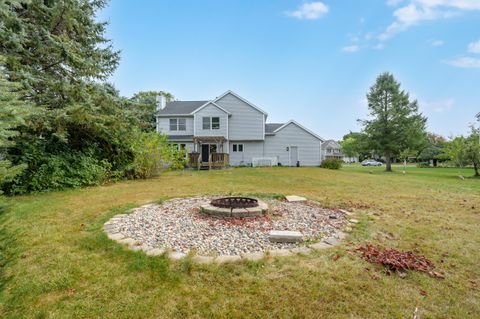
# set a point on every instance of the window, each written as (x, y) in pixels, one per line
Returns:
(178, 124)
(210, 123)
(215, 123)
(238, 147)
(173, 125)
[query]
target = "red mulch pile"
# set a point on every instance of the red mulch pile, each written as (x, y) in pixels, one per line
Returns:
(398, 261)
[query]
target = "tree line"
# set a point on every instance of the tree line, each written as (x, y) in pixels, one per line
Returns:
(61, 124)
(396, 131)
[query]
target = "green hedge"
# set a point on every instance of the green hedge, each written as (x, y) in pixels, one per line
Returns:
(332, 163)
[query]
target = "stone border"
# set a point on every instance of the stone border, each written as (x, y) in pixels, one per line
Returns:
(110, 228)
(214, 211)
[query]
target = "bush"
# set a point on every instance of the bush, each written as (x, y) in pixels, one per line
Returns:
(332, 163)
(152, 153)
(423, 165)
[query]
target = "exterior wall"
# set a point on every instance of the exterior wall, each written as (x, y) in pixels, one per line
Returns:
(211, 111)
(246, 123)
(250, 149)
(163, 125)
(292, 135)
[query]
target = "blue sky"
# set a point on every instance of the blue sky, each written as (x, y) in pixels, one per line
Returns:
(308, 61)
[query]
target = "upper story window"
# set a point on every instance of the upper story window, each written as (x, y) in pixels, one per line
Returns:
(211, 123)
(178, 124)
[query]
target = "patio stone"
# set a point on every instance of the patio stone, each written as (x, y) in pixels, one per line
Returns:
(285, 236)
(295, 198)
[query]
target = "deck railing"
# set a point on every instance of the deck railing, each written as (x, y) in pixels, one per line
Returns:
(216, 160)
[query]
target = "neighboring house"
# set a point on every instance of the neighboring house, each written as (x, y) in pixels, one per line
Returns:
(231, 130)
(332, 149)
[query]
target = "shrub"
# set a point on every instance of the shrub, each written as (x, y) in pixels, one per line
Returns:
(332, 163)
(423, 165)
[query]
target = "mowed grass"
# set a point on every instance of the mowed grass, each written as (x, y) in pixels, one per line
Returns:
(57, 263)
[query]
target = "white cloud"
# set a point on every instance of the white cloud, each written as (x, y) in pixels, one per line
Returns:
(417, 11)
(474, 47)
(394, 3)
(464, 62)
(441, 105)
(351, 48)
(309, 11)
(379, 46)
(437, 43)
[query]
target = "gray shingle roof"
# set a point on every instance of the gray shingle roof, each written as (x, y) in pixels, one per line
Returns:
(271, 127)
(181, 107)
(180, 137)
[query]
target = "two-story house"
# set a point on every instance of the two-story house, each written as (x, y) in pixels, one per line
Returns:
(333, 150)
(231, 130)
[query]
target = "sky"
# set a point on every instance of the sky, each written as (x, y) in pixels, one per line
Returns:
(309, 61)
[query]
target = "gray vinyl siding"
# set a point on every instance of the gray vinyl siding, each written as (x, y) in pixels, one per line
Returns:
(246, 123)
(292, 135)
(211, 111)
(163, 126)
(250, 149)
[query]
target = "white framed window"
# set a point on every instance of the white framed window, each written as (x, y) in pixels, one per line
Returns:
(178, 124)
(215, 123)
(211, 123)
(237, 147)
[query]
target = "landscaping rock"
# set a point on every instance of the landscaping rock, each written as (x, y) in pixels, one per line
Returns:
(301, 250)
(295, 198)
(203, 259)
(353, 221)
(320, 246)
(280, 253)
(176, 255)
(155, 252)
(116, 236)
(127, 241)
(227, 259)
(254, 256)
(285, 236)
(333, 241)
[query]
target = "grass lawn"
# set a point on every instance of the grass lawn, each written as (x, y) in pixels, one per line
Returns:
(57, 263)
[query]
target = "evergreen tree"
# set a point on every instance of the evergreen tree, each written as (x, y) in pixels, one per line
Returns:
(395, 123)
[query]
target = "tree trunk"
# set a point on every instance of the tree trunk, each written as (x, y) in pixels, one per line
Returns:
(475, 167)
(388, 161)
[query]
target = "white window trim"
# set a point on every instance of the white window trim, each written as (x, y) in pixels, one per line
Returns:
(177, 119)
(211, 123)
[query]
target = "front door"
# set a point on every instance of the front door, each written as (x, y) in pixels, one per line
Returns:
(293, 155)
(205, 152)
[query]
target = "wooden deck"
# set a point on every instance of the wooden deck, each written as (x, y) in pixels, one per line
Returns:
(215, 161)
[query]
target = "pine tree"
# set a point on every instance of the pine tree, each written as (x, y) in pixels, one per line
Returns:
(395, 123)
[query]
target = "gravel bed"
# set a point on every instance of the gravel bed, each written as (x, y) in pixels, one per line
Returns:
(177, 224)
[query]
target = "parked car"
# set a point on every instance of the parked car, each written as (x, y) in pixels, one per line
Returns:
(371, 163)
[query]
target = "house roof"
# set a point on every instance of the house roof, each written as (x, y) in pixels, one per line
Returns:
(300, 126)
(272, 127)
(181, 107)
(331, 143)
(214, 104)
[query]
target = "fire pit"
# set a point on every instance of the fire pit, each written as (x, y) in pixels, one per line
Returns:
(234, 202)
(235, 207)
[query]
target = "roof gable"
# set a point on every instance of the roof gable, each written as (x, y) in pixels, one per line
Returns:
(332, 144)
(241, 99)
(210, 103)
(300, 126)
